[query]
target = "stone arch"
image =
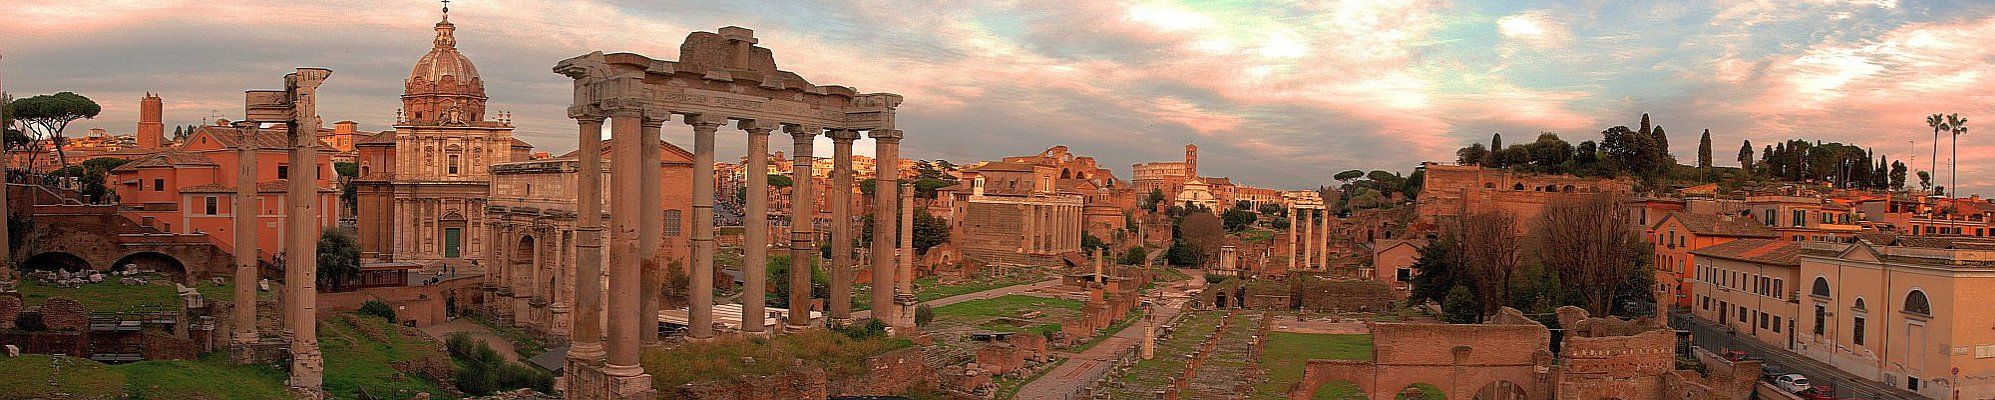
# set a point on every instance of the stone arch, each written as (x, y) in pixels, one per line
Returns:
(1335, 380)
(522, 263)
(1517, 186)
(1420, 391)
(1568, 188)
(1339, 390)
(54, 261)
(148, 260)
(1501, 390)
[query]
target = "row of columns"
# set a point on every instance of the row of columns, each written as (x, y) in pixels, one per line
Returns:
(634, 263)
(1047, 229)
(1308, 237)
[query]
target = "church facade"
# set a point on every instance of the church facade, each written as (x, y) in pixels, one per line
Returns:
(422, 186)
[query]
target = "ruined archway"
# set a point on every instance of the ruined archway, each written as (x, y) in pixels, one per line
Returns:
(1500, 390)
(522, 268)
(54, 261)
(153, 261)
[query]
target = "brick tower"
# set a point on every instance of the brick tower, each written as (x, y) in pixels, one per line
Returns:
(152, 131)
(1191, 161)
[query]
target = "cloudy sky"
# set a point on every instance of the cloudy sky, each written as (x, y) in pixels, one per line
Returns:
(1276, 93)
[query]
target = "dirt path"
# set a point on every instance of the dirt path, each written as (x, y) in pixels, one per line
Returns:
(477, 332)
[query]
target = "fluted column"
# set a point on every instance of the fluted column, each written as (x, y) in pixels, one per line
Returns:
(755, 228)
(700, 312)
(626, 276)
(301, 255)
(587, 342)
(1293, 245)
(1323, 241)
(1308, 231)
(243, 209)
(841, 224)
(803, 214)
(886, 172)
(650, 227)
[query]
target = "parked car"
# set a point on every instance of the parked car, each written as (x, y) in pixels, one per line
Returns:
(1791, 383)
(1817, 392)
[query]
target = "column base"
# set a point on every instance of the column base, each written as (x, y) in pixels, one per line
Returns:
(587, 352)
(587, 381)
(307, 372)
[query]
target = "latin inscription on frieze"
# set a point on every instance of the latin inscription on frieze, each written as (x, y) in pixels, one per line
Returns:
(764, 107)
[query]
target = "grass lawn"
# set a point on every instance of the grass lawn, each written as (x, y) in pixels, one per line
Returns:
(28, 377)
(1286, 354)
(1001, 314)
(360, 352)
(746, 358)
(211, 377)
(931, 288)
(115, 297)
(523, 343)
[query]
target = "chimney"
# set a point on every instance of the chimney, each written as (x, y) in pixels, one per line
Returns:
(152, 130)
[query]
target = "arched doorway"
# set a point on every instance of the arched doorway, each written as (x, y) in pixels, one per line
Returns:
(54, 261)
(522, 268)
(153, 261)
(1500, 390)
(1420, 391)
(1339, 390)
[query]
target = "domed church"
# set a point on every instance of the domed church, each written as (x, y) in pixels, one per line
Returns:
(422, 186)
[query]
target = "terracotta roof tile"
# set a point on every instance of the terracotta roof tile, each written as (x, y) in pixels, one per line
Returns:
(1763, 251)
(1721, 225)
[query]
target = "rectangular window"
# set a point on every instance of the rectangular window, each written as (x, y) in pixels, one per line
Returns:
(1770, 218)
(283, 171)
(1800, 218)
(210, 206)
(158, 185)
(1742, 315)
(1856, 331)
(453, 164)
(1762, 319)
(1776, 324)
(672, 223)
(1777, 292)
(1821, 319)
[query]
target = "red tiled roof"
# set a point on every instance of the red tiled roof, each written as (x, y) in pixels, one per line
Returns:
(167, 158)
(1720, 225)
(1762, 251)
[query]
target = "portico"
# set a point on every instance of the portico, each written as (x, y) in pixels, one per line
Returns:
(720, 80)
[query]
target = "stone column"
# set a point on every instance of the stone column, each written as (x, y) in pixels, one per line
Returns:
(651, 226)
(301, 259)
(886, 171)
(1323, 241)
(700, 312)
(244, 209)
(626, 143)
(587, 341)
(1309, 225)
(803, 215)
(1293, 245)
(904, 282)
(841, 224)
(755, 228)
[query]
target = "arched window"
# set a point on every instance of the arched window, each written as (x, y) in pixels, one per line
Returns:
(1821, 287)
(1568, 189)
(1489, 185)
(1915, 302)
(1859, 305)
(1518, 186)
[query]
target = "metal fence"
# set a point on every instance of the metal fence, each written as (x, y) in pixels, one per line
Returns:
(1716, 339)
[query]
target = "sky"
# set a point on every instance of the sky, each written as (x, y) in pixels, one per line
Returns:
(1280, 94)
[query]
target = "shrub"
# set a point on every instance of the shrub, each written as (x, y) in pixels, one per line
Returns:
(484, 372)
(870, 328)
(923, 315)
(378, 309)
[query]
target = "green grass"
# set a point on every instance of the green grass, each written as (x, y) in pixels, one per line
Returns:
(1286, 354)
(1007, 306)
(28, 377)
(210, 377)
(114, 297)
(931, 288)
(360, 352)
(523, 343)
(747, 358)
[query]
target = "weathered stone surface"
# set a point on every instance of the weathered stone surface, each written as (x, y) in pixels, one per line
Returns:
(63, 314)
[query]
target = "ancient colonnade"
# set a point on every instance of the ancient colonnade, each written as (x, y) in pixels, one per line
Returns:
(1308, 236)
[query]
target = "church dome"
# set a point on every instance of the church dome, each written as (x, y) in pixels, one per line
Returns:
(444, 88)
(444, 60)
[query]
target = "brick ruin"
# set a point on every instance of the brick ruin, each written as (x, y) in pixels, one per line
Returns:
(64, 326)
(897, 371)
(1303, 291)
(1510, 357)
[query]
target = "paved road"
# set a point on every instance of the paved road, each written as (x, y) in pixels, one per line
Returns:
(1083, 368)
(1849, 386)
(992, 293)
